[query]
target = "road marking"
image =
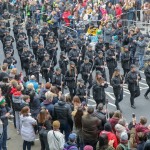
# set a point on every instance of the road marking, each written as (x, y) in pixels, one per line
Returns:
(126, 91)
(36, 140)
(143, 79)
(108, 94)
(141, 71)
(112, 104)
(143, 83)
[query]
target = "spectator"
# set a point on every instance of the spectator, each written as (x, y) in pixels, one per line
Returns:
(78, 126)
(120, 127)
(55, 93)
(88, 147)
(33, 81)
(55, 137)
(62, 112)
(141, 126)
(34, 100)
(141, 138)
(90, 126)
(27, 127)
(3, 73)
(111, 136)
(71, 144)
(17, 101)
(48, 103)
(118, 10)
(4, 115)
(100, 114)
(43, 90)
(147, 143)
(104, 143)
(114, 120)
(44, 122)
(124, 144)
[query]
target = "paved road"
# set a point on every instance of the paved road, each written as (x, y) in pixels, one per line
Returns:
(142, 105)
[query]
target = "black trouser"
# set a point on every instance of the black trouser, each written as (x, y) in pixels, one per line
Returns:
(98, 101)
(111, 71)
(133, 95)
(125, 71)
(55, 31)
(117, 96)
(107, 46)
(35, 52)
(48, 76)
(138, 15)
(44, 143)
(148, 90)
(72, 91)
(26, 71)
(29, 40)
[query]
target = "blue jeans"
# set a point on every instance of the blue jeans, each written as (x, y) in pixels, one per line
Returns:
(4, 138)
(65, 128)
(141, 61)
(27, 145)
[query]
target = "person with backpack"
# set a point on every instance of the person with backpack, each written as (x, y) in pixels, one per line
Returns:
(124, 142)
(71, 144)
(17, 101)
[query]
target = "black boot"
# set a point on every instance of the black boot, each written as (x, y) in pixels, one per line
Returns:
(146, 97)
(133, 106)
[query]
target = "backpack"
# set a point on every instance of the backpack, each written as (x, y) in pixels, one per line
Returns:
(125, 147)
(70, 148)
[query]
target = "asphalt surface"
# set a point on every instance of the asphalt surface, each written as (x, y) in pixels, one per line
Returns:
(142, 105)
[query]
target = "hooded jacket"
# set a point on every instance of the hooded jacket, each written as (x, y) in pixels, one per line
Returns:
(49, 106)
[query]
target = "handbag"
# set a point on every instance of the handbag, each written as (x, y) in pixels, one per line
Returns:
(43, 131)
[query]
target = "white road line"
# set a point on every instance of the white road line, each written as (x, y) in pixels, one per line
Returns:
(143, 88)
(92, 100)
(126, 92)
(108, 94)
(36, 140)
(112, 104)
(141, 71)
(143, 83)
(143, 79)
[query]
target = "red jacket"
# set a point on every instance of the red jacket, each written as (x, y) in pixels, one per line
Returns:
(118, 12)
(113, 121)
(13, 90)
(111, 136)
(141, 128)
(65, 16)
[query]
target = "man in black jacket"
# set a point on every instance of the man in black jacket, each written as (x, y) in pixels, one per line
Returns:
(86, 72)
(126, 60)
(133, 78)
(111, 60)
(3, 73)
(147, 75)
(62, 112)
